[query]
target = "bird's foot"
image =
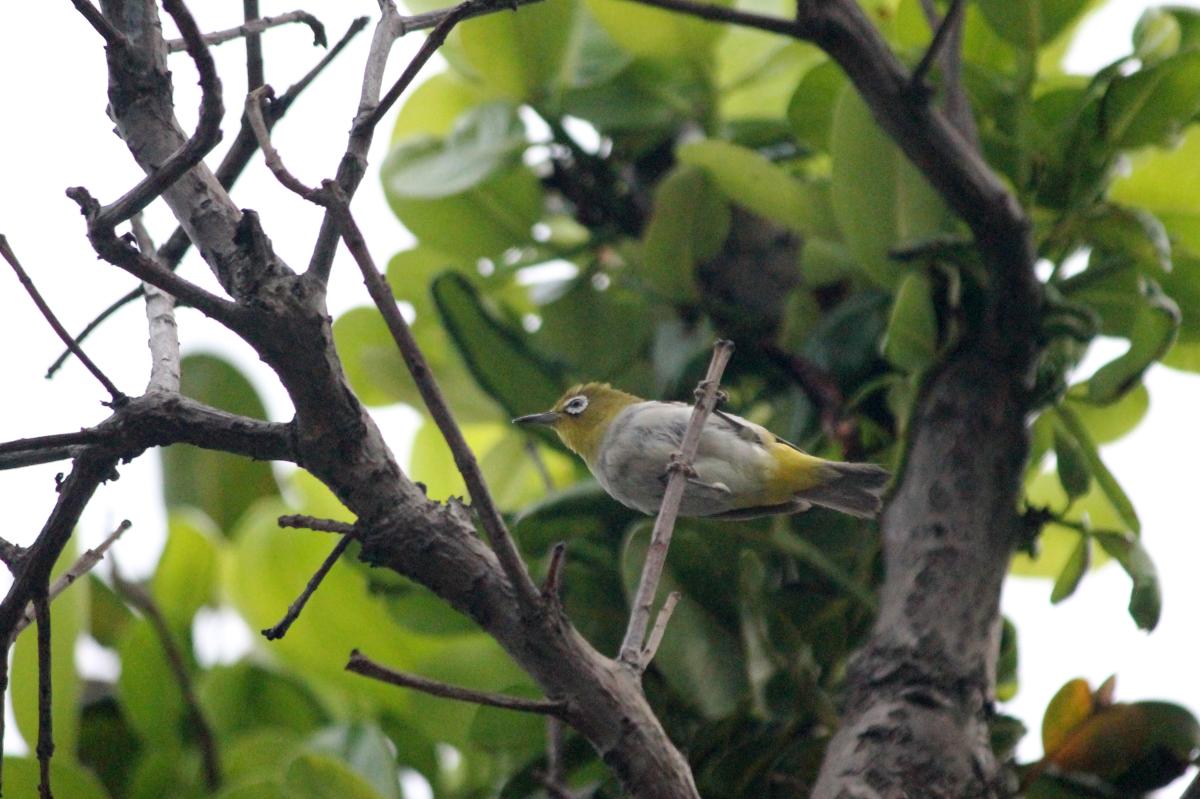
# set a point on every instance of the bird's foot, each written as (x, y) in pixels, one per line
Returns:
(721, 396)
(676, 464)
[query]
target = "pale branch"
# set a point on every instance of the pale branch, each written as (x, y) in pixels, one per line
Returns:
(205, 137)
(112, 37)
(117, 396)
(141, 600)
(293, 611)
(165, 364)
(361, 664)
(255, 27)
(659, 629)
(632, 646)
(554, 780)
(254, 115)
(552, 585)
(245, 144)
(371, 109)
(255, 71)
(45, 735)
(303, 522)
(430, 19)
(82, 565)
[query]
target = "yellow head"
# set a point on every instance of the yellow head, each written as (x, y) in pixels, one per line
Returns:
(582, 415)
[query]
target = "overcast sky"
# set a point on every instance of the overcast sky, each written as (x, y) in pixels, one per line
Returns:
(56, 135)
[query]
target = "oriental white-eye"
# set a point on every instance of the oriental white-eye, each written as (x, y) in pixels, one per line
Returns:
(742, 470)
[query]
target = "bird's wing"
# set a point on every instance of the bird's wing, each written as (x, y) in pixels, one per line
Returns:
(749, 431)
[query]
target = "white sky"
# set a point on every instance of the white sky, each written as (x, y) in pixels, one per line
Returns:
(56, 135)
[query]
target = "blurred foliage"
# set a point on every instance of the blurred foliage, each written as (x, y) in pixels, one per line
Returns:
(598, 189)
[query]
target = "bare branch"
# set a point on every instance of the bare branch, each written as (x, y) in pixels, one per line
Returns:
(137, 596)
(203, 139)
(255, 72)
(45, 738)
(82, 565)
(102, 26)
(160, 314)
(940, 35)
(660, 538)
(293, 611)
(254, 116)
(552, 586)
(245, 144)
(659, 629)
(118, 397)
(418, 22)
(313, 523)
(361, 664)
(252, 28)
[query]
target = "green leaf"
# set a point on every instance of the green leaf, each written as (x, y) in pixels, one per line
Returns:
(432, 108)
(499, 357)
(880, 200)
(810, 111)
(1006, 665)
(510, 731)
(656, 33)
(910, 342)
(108, 615)
(245, 696)
(149, 692)
(365, 748)
(690, 222)
(220, 484)
(485, 140)
(1107, 423)
(1152, 105)
(1072, 466)
(1183, 286)
(410, 273)
(107, 744)
(22, 777)
(1166, 183)
(1155, 322)
(757, 72)
(624, 314)
(520, 54)
(1077, 564)
(483, 221)
(753, 182)
(699, 657)
(1132, 234)
(67, 614)
(1070, 707)
(185, 579)
(1104, 478)
(1145, 600)
(1056, 542)
(1156, 36)
(318, 776)
(788, 542)
(1031, 23)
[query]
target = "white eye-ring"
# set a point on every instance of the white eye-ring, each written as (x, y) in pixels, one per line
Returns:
(576, 405)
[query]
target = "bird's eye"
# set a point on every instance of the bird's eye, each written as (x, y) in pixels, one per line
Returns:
(576, 405)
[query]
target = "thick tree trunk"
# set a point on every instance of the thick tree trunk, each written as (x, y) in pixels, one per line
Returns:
(919, 693)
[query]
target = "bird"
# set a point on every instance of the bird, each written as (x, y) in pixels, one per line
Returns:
(741, 469)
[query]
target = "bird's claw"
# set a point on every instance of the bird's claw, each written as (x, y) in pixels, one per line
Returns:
(720, 398)
(676, 464)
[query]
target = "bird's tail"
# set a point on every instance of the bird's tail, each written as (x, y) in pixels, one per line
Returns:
(854, 488)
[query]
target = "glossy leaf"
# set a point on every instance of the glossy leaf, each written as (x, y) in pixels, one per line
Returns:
(148, 690)
(108, 614)
(433, 107)
(243, 697)
(67, 614)
(656, 33)
(757, 72)
(364, 748)
(750, 180)
(1072, 466)
(22, 777)
(910, 342)
(1071, 575)
(879, 199)
(1167, 184)
(185, 579)
(690, 222)
(1030, 23)
(510, 731)
(810, 111)
(220, 484)
(1152, 332)
(1069, 708)
(499, 357)
(1152, 105)
(1145, 600)
(317, 776)
(1104, 478)
(1156, 36)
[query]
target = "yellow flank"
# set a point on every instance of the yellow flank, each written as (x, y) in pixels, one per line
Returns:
(583, 434)
(792, 471)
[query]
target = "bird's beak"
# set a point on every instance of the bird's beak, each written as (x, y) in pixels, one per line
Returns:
(547, 418)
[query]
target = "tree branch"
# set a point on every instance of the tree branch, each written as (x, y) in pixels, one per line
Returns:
(664, 525)
(164, 333)
(659, 629)
(313, 523)
(45, 737)
(940, 37)
(136, 596)
(252, 28)
(293, 611)
(117, 396)
(255, 72)
(361, 664)
(112, 37)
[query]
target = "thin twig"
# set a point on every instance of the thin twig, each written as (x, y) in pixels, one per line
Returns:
(419, 22)
(255, 72)
(554, 780)
(50, 442)
(118, 397)
(165, 365)
(293, 611)
(256, 27)
(82, 565)
(313, 523)
(940, 34)
(254, 115)
(552, 586)
(95, 18)
(659, 629)
(137, 596)
(3, 698)
(660, 538)
(202, 140)
(45, 738)
(245, 144)
(361, 664)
